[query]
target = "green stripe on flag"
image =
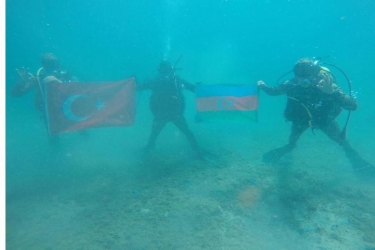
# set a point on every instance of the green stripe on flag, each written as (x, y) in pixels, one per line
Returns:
(230, 116)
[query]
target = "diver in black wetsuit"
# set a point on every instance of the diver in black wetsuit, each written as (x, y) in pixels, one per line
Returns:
(167, 104)
(49, 72)
(314, 100)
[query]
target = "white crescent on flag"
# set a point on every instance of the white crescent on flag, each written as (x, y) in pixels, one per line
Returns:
(67, 108)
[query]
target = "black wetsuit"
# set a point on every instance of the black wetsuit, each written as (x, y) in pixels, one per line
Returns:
(310, 107)
(167, 104)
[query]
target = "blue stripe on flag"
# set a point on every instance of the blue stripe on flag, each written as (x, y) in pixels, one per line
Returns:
(225, 90)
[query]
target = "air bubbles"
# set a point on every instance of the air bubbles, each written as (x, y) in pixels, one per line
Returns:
(354, 94)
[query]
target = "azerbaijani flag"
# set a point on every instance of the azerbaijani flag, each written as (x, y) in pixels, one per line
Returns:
(226, 102)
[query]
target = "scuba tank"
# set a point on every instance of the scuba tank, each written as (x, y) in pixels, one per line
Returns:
(318, 62)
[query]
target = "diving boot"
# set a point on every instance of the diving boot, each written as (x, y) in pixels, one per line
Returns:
(274, 155)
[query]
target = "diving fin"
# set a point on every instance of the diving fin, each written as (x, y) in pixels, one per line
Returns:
(204, 155)
(360, 165)
(275, 154)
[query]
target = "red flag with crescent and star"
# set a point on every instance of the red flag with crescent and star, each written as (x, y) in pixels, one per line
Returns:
(81, 105)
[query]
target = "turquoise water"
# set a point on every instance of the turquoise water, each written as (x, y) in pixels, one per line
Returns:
(94, 190)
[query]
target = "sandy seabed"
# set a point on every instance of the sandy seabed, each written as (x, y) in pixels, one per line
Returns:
(82, 198)
(230, 201)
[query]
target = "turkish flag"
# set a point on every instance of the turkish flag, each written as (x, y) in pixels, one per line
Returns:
(81, 105)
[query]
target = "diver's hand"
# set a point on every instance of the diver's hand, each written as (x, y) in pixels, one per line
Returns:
(325, 84)
(261, 84)
(24, 74)
(24, 81)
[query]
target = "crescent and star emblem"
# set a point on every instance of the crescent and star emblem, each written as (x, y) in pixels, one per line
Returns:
(224, 103)
(67, 108)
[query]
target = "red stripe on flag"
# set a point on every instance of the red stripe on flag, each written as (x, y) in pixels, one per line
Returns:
(221, 103)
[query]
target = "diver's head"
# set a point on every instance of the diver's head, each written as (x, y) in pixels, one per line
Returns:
(165, 68)
(305, 68)
(50, 62)
(305, 72)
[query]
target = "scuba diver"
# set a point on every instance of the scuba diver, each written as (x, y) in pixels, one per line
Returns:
(315, 101)
(167, 104)
(49, 72)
